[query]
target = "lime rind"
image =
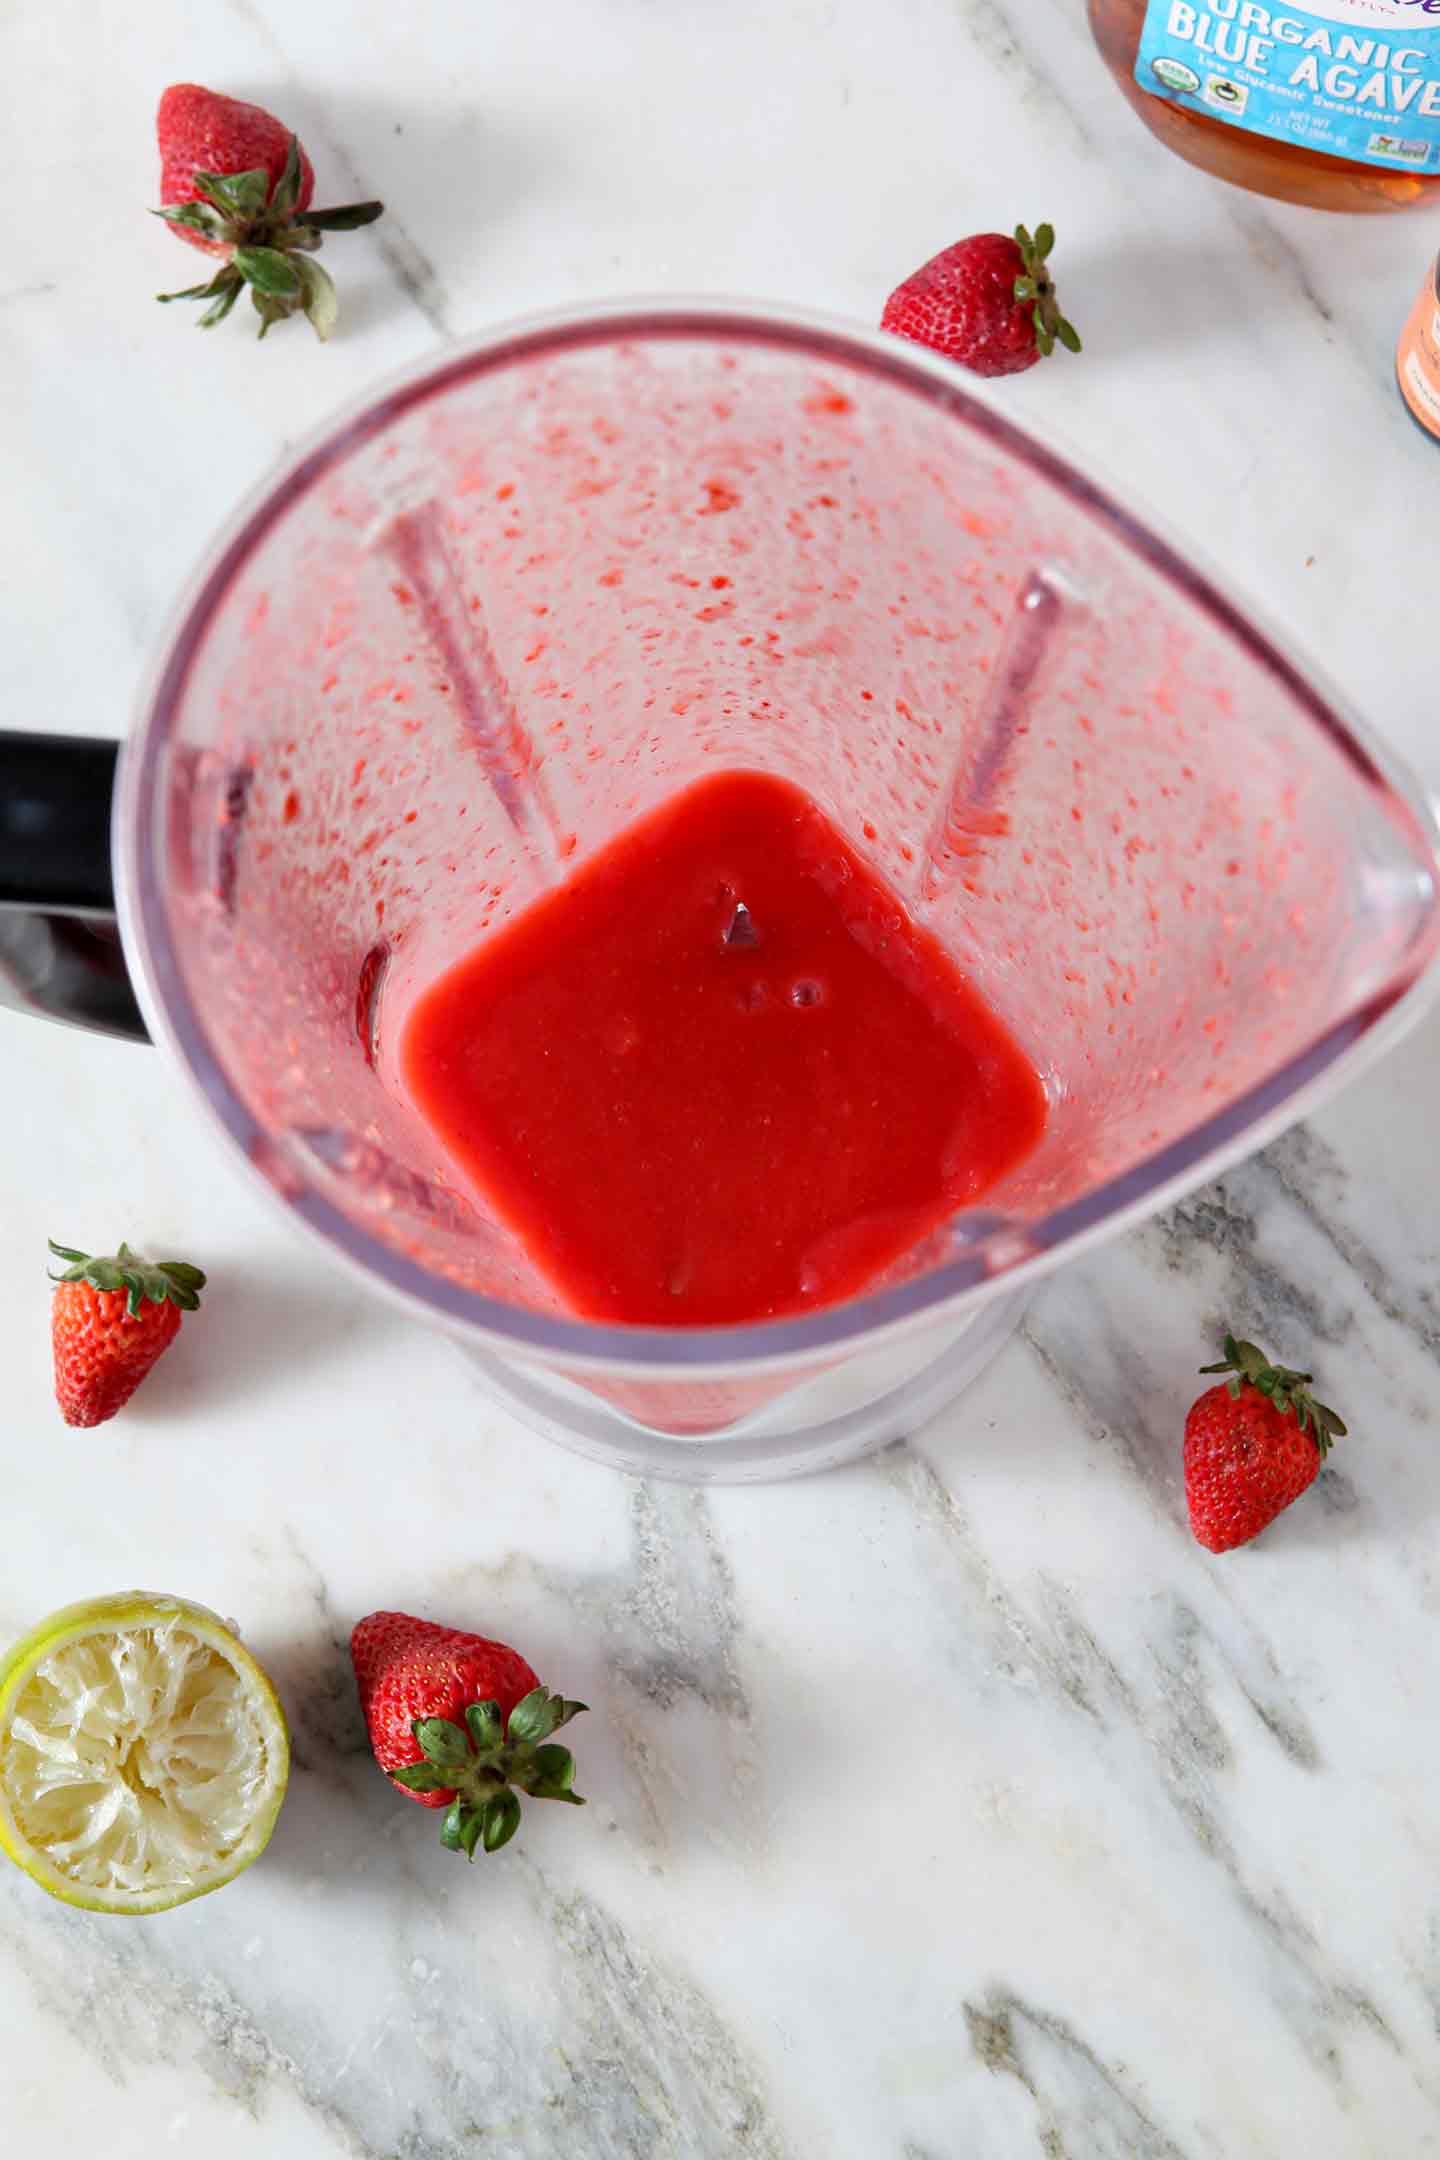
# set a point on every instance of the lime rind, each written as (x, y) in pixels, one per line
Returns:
(143, 1754)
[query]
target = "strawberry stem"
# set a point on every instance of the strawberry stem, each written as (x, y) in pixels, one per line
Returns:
(1249, 1366)
(141, 1280)
(480, 1762)
(1037, 285)
(270, 241)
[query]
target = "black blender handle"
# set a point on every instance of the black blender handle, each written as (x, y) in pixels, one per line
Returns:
(60, 953)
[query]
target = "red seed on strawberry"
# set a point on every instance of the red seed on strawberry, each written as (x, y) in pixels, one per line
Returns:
(235, 181)
(110, 1320)
(988, 302)
(1252, 1446)
(460, 1722)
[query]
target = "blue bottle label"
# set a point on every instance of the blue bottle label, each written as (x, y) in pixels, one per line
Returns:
(1354, 78)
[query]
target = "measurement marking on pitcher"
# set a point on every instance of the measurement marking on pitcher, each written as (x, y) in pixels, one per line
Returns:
(461, 645)
(967, 814)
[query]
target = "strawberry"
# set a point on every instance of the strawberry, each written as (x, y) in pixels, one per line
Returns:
(457, 1721)
(1252, 1445)
(201, 133)
(110, 1319)
(236, 182)
(987, 302)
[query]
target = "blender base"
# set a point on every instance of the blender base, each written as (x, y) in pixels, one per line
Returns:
(804, 1431)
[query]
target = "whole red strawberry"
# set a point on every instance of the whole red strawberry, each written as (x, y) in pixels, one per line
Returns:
(110, 1319)
(201, 132)
(458, 1721)
(1251, 1446)
(987, 302)
(236, 182)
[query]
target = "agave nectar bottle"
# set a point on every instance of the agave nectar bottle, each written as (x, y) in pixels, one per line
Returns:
(1335, 103)
(1417, 364)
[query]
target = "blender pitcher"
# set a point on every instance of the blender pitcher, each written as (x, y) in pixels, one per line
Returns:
(540, 585)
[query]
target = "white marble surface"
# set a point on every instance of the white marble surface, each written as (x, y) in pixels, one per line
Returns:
(954, 1807)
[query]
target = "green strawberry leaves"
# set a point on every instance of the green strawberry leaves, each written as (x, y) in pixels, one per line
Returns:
(492, 1824)
(499, 1819)
(271, 242)
(1036, 285)
(141, 1280)
(235, 194)
(320, 302)
(487, 1727)
(540, 1713)
(268, 270)
(227, 292)
(482, 1763)
(196, 217)
(421, 1777)
(221, 282)
(1249, 1366)
(553, 1776)
(346, 219)
(287, 188)
(443, 1744)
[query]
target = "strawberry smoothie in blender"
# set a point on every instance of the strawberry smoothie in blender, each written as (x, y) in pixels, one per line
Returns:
(719, 1075)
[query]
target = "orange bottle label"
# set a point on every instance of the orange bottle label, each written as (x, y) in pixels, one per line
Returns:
(1418, 361)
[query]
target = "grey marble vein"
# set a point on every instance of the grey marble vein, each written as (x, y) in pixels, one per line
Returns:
(406, 261)
(1219, 1221)
(627, 2057)
(326, 1721)
(1279, 257)
(658, 2064)
(1017, 1650)
(1313, 1179)
(1103, 1378)
(1083, 2108)
(678, 1613)
(36, 289)
(1004, 38)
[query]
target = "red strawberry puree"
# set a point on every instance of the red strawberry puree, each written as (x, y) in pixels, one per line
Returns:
(718, 1074)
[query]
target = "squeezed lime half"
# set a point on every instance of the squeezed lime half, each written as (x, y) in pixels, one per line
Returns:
(143, 1753)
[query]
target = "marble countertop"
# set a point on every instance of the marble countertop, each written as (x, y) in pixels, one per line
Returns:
(952, 1807)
